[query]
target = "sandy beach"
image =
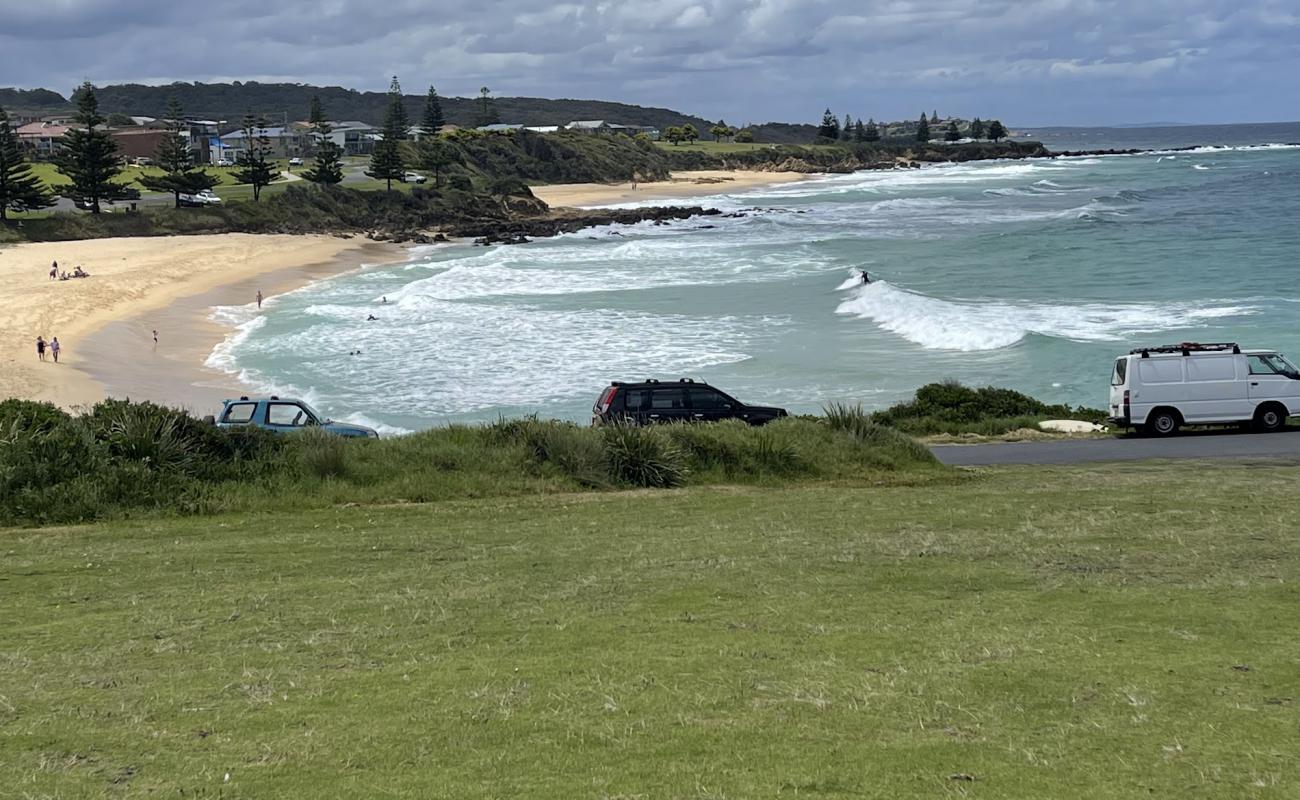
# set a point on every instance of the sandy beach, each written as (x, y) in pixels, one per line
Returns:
(136, 286)
(697, 183)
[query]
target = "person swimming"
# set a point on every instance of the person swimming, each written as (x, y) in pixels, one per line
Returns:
(865, 278)
(372, 318)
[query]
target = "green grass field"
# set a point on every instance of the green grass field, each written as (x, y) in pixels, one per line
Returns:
(1107, 632)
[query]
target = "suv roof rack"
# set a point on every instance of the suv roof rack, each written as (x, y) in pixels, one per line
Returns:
(1186, 348)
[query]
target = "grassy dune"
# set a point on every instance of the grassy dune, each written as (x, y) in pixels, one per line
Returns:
(1111, 633)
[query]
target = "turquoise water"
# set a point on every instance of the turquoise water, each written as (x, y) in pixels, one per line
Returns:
(1029, 274)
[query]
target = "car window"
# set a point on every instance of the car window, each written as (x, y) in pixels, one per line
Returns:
(239, 412)
(705, 399)
(1269, 365)
(668, 399)
(286, 414)
(1120, 374)
(637, 400)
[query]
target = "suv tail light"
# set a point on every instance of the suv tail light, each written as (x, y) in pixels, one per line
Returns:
(1126, 403)
(606, 399)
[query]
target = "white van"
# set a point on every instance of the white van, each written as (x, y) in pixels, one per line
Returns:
(1159, 389)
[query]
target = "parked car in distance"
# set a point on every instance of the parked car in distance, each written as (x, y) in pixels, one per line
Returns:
(223, 162)
(685, 400)
(1160, 389)
(283, 415)
(295, 162)
(413, 177)
(206, 197)
(142, 161)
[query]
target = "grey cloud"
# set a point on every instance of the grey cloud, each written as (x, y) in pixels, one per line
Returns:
(1031, 61)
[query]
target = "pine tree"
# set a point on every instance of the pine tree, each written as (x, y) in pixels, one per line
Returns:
(20, 190)
(976, 129)
(487, 110)
(88, 157)
(432, 121)
(386, 162)
(934, 118)
(952, 134)
(859, 131)
(872, 133)
(434, 155)
(923, 129)
(328, 167)
(846, 130)
(253, 166)
(996, 131)
(829, 129)
(180, 176)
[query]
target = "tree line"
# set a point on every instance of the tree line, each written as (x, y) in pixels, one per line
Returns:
(831, 129)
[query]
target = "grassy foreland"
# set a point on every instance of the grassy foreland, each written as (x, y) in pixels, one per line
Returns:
(485, 169)
(1111, 633)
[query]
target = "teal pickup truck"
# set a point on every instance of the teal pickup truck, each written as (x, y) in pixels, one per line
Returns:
(284, 415)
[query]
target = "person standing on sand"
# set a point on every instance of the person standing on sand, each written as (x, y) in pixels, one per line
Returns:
(40, 347)
(54, 270)
(55, 347)
(155, 337)
(259, 299)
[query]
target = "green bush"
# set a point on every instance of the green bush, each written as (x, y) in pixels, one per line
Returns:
(320, 453)
(950, 407)
(31, 414)
(642, 457)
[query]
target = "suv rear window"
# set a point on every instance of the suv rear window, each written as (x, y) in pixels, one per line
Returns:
(239, 412)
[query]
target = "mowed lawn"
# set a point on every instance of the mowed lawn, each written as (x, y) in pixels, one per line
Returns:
(1101, 632)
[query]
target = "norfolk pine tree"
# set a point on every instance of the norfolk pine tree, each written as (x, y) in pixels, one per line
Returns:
(252, 166)
(859, 131)
(20, 190)
(327, 169)
(976, 129)
(432, 121)
(829, 129)
(996, 131)
(923, 129)
(173, 155)
(872, 133)
(88, 157)
(386, 163)
(487, 110)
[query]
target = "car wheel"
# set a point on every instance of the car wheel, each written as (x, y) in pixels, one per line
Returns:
(1162, 423)
(1270, 418)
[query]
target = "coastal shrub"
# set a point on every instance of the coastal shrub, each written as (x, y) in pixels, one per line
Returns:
(950, 407)
(642, 457)
(31, 414)
(320, 453)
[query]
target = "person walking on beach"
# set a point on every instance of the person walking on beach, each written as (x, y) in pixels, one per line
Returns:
(54, 270)
(54, 348)
(40, 347)
(155, 337)
(259, 298)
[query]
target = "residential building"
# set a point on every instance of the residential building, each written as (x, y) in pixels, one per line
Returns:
(285, 142)
(137, 142)
(41, 139)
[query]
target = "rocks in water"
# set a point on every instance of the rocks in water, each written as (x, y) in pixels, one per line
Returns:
(522, 229)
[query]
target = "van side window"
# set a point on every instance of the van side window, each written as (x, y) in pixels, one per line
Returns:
(1263, 365)
(1212, 368)
(1161, 370)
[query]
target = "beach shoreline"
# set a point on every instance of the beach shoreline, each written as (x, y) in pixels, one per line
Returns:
(138, 285)
(682, 185)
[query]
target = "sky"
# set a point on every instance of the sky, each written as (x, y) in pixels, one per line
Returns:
(1027, 62)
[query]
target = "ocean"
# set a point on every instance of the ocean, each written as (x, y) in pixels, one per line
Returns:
(1031, 275)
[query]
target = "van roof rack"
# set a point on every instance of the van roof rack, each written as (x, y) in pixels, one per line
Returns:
(1186, 348)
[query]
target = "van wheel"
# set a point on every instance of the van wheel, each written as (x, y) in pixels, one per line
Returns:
(1162, 422)
(1270, 418)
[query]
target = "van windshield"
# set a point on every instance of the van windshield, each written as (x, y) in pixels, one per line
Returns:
(1120, 374)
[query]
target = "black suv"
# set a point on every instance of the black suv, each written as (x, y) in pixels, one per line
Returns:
(674, 401)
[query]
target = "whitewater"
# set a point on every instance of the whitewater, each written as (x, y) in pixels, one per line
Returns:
(1028, 274)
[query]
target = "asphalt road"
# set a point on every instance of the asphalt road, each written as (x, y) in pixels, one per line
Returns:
(1214, 444)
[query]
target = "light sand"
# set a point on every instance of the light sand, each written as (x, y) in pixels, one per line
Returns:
(697, 183)
(104, 322)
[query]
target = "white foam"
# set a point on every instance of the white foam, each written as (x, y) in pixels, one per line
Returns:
(969, 325)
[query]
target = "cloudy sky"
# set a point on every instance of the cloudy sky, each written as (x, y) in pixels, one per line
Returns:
(1029, 62)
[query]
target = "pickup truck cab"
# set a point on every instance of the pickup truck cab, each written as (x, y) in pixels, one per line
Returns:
(284, 415)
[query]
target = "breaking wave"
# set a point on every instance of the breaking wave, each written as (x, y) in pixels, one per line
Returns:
(970, 325)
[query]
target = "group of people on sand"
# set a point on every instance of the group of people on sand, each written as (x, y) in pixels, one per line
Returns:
(52, 347)
(55, 274)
